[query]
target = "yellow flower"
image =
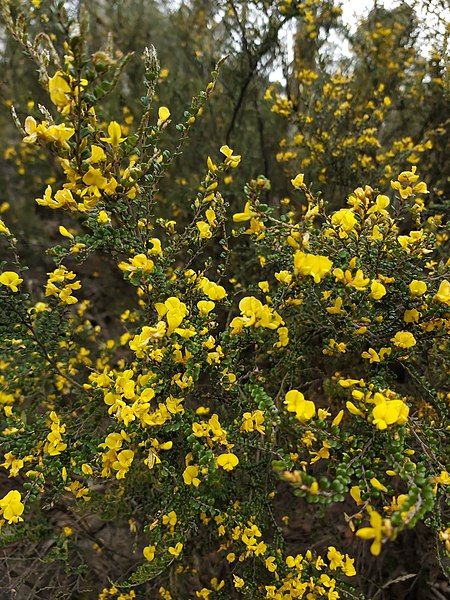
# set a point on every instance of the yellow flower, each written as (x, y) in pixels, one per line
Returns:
(204, 230)
(94, 177)
(12, 507)
(337, 419)
(176, 550)
(190, 476)
(4, 229)
(284, 277)
(231, 160)
(97, 154)
(297, 182)
(246, 215)
(163, 115)
(443, 478)
(212, 290)
(389, 412)
(381, 203)
(123, 463)
(170, 519)
(103, 218)
(174, 311)
(139, 262)
(417, 288)
(377, 290)
(355, 493)
(336, 559)
(315, 265)
(374, 532)
(378, 485)
(65, 232)
(205, 307)
(443, 293)
(295, 402)
(348, 568)
(404, 339)
(352, 409)
(253, 421)
(59, 90)
(270, 564)
(114, 133)
(149, 552)
(227, 461)
(411, 316)
(238, 582)
(11, 280)
(344, 220)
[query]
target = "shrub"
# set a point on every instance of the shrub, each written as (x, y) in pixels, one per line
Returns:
(284, 371)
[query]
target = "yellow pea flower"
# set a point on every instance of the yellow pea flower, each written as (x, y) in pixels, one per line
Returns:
(404, 339)
(190, 475)
(94, 177)
(204, 229)
(114, 135)
(149, 553)
(59, 90)
(315, 265)
(231, 160)
(163, 115)
(228, 461)
(205, 307)
(176, 550)
(443, 293)
(65, 232)
(295, 402)
(417, 287)
(390, 412)
(374, 532)
(12, 507)
(11, 280)
(378, 485)
(377, 290)
(344, 220)
(246, 215)
(298, 180)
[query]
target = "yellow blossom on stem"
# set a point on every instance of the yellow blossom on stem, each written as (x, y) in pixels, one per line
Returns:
(315, 265)
(59, 90)
(11, 280)
(404, 339)
(389, 412)
(246, 215)
(374, 532)
(377, 290)
(228, 461)
(298, 180)
(163, 115)
(114, 135)
(11, 507)
(443, 293)
(231, 160)
(149, 553)
(190, 475)
(417, 288)
(176, 550)
(295, 402)
(344, 220)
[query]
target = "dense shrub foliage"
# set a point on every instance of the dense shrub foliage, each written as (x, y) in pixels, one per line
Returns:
(219, 394)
